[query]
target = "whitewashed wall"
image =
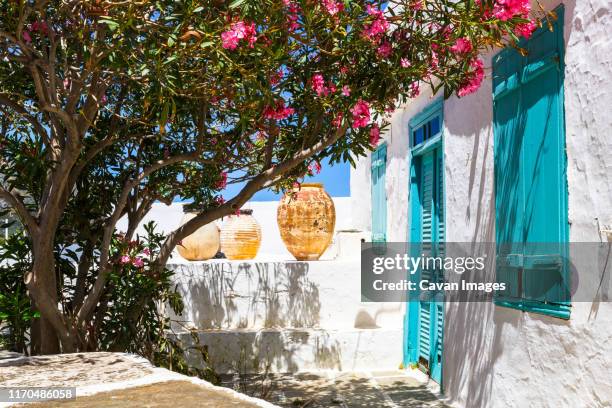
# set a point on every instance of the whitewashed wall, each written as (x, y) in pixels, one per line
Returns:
(500, 357)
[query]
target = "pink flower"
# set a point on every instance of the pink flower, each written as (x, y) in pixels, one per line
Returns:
(414, 90)
(26, 36)
(314, 168)
(293, 10)
(506, 9)
(373, 11)
(317, 82)
(276, 77)
(138, 262)
(337, 121)
(219, 200)
(346, 90)
(332, 7)
(278, 112)
(343, 70)
(239, 31)
(222, 183)
(462, 46)
(378, 27)
(296, 185)
(385, 50)
(125, 259)
(434, 60)
(361, 114)
(40, 26)
(146, 251)
(374, 135)
(473, 80)
(405, 63)
(525, 29)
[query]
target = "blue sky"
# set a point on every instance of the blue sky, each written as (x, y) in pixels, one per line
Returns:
(335, 179)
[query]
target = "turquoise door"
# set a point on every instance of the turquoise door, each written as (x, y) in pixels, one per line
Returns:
(379, 197)
(532, 225)
(425, 317)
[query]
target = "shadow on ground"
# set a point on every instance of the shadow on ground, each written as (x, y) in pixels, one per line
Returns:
(347, 390)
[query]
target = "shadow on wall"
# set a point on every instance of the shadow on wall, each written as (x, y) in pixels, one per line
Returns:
(477, 333)
(266, 351)
(254, 317)
(227, 295)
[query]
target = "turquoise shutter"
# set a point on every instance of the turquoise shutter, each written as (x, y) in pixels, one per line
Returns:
(379, 197)
(427, 237)
(531, 191)
(431, 310)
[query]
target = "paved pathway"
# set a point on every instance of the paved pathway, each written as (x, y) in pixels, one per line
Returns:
(344, 390)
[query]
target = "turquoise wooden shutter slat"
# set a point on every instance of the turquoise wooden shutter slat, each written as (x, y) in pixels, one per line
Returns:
(530, 180)
(427, 228)
(379, 200)
(438, 304)
(509, 192)
(543, 163)
(431, 310)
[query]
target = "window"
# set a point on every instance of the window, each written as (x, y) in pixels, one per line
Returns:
(427, 125)
(379, 196)
(532, 228)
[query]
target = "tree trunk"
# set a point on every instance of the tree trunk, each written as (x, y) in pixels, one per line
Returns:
(51, 329)
(43, 333)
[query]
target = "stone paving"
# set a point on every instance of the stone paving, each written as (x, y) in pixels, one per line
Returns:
(122, 380)
(345, 390)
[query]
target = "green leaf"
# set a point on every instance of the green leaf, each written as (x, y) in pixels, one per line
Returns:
(236, 3)
(112, 25)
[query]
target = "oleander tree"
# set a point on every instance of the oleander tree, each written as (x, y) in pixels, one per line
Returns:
(107, 107)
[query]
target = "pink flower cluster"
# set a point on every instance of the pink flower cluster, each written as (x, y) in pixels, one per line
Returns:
(314, 168)
(525, 29)
(506, 9)
(374, 135)
(37, 26)
(278, 112)
(317, 83)
(222, 183)
(137, 261)
(378, 27)
(384, 49)
(332, 7)
(337, 121)
(474, 80)
(361, 114)
(462, 46)
(239, 31)
(293, 14)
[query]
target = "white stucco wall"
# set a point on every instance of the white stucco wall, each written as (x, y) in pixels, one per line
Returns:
(495, 356)
(290, 316)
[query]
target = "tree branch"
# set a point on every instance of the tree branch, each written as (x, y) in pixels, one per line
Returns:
(264, 179)
(16, 203)
(95, 293)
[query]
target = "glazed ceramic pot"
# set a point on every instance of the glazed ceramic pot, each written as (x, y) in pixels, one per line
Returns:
(306, 219)
(202, 244)
(240, 236)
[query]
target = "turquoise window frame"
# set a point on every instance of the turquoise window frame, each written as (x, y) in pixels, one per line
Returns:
(531, 68)
(380, 148)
